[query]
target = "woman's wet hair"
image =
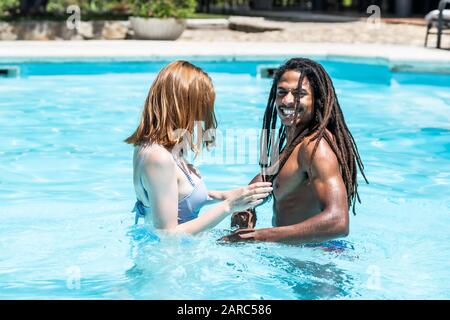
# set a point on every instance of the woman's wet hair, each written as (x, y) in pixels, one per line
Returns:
(181, 99)
(327, 115)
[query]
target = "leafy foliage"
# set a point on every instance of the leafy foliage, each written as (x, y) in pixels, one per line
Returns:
(163, 8)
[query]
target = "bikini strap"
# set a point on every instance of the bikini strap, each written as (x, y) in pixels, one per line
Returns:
(138, 210)
(177, 161)
(191, 181)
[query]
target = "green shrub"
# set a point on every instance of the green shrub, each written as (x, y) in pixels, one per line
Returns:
(87, 6)
(149, 8)
(6, 5)
(163, 8)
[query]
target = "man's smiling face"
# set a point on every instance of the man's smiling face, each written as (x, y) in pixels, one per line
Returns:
(287, 91)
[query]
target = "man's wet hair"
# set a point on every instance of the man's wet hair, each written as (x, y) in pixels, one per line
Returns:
(327, 115)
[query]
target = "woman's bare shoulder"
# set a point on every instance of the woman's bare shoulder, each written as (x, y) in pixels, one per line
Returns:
(154, 156)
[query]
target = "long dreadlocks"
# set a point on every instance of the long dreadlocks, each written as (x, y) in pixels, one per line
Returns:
(327, 115)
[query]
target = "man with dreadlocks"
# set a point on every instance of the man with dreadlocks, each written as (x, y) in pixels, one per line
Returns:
(314, 171)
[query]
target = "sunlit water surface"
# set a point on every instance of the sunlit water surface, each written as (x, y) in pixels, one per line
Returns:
(66, 191)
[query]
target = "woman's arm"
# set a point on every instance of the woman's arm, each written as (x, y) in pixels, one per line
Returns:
(237, 199)
(224, 194)
(218, 195)
(161, 183)
(215, 195)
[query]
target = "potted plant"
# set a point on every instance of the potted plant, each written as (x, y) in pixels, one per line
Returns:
(160, 19)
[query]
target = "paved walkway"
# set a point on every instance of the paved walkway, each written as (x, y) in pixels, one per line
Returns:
(370, 31)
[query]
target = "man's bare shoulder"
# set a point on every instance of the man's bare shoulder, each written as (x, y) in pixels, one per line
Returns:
(323, 154)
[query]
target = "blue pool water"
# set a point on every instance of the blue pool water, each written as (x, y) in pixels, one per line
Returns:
(66, 192)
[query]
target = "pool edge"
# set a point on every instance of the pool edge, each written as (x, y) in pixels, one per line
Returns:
(396, 58)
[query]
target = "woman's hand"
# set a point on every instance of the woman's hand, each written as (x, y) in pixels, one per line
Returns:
(247, 197)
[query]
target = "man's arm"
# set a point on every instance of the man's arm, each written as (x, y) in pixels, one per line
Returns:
(326, 181)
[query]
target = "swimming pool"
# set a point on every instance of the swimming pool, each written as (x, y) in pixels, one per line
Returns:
(66, 192)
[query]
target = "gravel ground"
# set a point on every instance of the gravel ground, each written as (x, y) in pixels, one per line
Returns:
(348, 32)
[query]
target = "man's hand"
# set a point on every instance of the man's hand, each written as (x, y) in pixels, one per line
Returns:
(241, 235)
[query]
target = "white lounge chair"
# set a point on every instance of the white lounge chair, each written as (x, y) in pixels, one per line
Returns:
(439, 19)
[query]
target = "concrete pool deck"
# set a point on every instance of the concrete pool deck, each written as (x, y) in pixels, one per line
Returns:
(398, 58)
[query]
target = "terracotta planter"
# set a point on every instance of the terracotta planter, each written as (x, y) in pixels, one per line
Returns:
(157, 29)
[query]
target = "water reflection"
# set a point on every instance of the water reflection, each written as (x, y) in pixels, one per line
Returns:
(312, 280)
(200, 268)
